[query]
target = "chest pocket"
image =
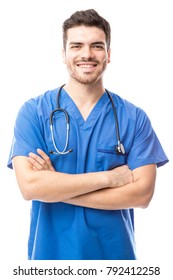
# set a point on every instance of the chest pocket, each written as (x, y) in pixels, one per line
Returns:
(107, 158)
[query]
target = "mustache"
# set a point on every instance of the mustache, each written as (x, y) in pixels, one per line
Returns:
(89, 59)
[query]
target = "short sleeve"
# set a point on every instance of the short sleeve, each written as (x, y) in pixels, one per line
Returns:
(146, 148)
(28, 134)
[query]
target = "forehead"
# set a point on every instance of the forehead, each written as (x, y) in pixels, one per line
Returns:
(85, 34)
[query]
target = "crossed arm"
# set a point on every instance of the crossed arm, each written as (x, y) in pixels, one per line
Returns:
(119, 188)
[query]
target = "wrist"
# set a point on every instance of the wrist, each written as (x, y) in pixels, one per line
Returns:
(104, 178)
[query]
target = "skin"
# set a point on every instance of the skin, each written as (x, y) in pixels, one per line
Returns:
(136, 193)
(86, 57)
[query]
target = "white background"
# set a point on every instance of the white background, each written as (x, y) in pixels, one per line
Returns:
(141, 71)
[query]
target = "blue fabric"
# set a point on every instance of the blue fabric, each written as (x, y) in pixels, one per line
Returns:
(62, 231)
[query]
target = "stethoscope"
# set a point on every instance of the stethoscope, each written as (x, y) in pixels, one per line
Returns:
(119, 149)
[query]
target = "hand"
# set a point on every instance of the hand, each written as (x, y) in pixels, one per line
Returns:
(41, 161)
(120, 176)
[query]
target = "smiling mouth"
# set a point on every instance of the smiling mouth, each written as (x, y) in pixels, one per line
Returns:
(86, 65)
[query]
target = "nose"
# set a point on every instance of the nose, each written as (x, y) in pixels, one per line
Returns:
(87, 53)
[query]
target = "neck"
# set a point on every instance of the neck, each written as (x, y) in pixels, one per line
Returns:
(84, 96)
(84, 93)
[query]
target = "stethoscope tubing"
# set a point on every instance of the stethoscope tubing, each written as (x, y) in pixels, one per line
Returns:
(119, 148)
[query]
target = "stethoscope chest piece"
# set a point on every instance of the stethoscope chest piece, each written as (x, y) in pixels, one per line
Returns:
(120, 149)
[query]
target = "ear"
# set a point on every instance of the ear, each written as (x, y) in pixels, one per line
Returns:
(109, 55)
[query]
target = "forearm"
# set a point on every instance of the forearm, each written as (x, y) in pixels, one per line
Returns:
(38, 180)
(132, 195)
(51, 186)
(112, 199)
(119, 188)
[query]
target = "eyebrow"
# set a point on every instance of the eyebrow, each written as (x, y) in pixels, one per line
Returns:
(94, 43)
(98, 43)
(75, 43)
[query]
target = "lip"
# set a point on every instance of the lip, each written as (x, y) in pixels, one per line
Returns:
(88, 66)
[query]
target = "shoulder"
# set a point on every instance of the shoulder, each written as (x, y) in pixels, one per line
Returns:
(42, 102)
(126, 105)
(47, 98)
(130, 114)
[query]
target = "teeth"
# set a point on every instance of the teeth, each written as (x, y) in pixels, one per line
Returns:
(86, 65)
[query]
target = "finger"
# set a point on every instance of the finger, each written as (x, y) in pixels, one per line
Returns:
(39, 162)
(37, 158)
(46, 158)
(43, 155)
(35, 165)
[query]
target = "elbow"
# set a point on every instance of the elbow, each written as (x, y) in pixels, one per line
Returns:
(145, 200)
(26, 195)
(27, 189)
(144, 185)
(26, 178)
(142, 198)
(145, 204)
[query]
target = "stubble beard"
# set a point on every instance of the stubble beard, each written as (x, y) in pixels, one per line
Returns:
(87, 77)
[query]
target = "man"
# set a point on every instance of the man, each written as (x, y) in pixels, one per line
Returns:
(84, 156)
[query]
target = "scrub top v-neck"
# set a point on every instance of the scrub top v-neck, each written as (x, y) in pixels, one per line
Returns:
(69, 232)
(75, 113)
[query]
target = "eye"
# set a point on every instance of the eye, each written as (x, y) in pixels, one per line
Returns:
(98, 46)
(75, 46)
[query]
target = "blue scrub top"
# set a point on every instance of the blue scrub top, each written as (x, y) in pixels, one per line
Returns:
(68, 232)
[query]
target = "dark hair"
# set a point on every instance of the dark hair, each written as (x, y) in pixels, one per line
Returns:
(87, 18)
